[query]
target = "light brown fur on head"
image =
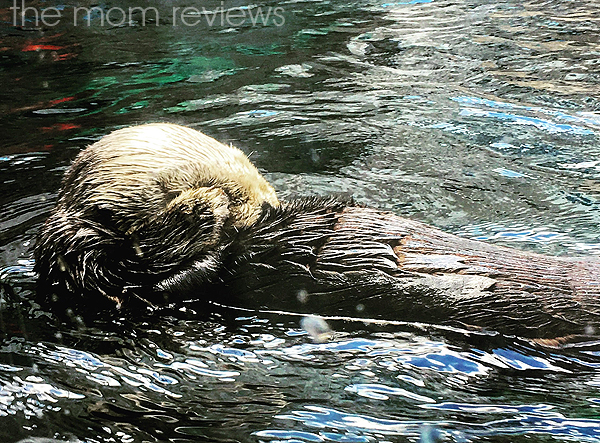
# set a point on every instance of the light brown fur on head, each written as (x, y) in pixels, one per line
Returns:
(141, 169)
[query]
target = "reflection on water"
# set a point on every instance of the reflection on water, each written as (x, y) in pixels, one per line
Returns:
(478, 117)
(268, 380)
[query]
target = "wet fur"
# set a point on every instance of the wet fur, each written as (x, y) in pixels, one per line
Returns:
(148, 208)
(161, 215)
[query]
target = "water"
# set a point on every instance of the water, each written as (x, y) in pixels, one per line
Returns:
(479, 117)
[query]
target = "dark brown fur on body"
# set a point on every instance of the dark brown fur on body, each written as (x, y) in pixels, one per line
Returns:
(211, 228)
(356, 261)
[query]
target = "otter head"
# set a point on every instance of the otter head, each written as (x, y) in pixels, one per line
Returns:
(148, 207)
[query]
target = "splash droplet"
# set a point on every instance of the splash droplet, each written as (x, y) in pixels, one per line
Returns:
(317, 328)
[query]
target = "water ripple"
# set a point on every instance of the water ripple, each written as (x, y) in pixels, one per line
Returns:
(382, 392)
(530, 419)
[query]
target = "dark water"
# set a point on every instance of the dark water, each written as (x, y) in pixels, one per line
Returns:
(480, 117)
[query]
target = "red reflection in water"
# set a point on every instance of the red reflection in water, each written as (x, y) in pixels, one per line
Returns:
(61, 127)
(37, 47)
(61, 100)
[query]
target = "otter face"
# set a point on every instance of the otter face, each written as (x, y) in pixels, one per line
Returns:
(145, 204)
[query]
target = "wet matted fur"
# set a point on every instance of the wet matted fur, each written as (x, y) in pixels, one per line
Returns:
(160, 214)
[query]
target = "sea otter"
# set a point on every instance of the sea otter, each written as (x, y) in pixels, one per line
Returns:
(148, 207)
(160, 213)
